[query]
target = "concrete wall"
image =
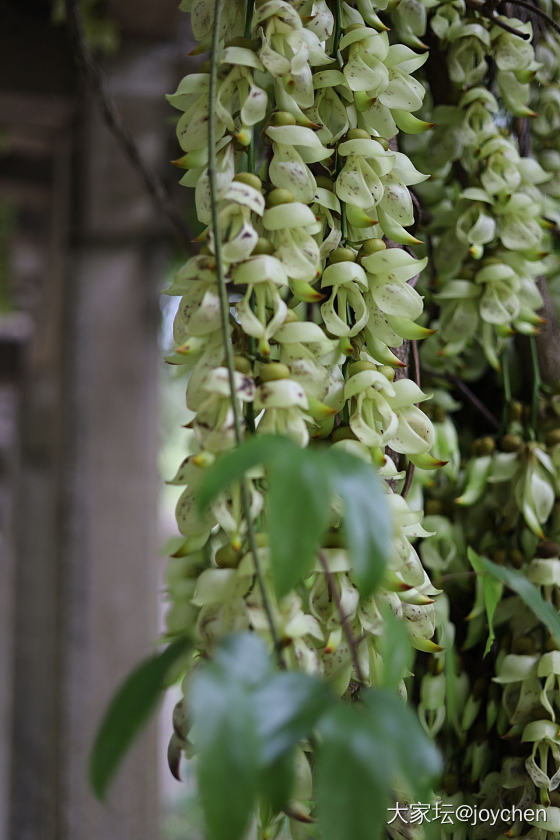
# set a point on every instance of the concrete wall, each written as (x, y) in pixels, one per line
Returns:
(78, 514)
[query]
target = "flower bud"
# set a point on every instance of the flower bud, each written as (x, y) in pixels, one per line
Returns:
(242, 365)
(388, 372)
(358, 134)
(371, 246)
(342, 255)
(483, 446)
(227, 557)
(263, 246)
(250, 179)
(282, 118)
(279, 196)
(343, 433)
(273, 371)
(358, 367)
(511, 443)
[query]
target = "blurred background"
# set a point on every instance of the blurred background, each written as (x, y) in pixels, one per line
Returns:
(90, 416)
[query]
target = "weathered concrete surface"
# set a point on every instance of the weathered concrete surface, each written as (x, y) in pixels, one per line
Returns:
(80, 602)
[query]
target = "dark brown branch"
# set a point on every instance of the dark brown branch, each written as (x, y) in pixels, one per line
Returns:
(94, 79)
(466, 391)
(537, 11)
(408, 479)
(346, 629)
(488, 11)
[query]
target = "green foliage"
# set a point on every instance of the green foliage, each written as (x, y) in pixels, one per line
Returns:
(352, 780)
(395, 651)
(298, 514)
(226, 736)
(302, 485)
(526, 590)
(366, 517)
(492, 589)
(127, 713)
(248, 719)
(365, 749)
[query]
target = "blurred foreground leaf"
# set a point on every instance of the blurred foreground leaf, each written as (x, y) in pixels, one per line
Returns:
(127, 713)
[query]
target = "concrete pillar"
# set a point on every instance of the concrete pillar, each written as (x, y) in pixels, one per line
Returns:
(117, 266)
(82, 591)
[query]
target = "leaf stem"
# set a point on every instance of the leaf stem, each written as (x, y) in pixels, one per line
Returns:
(346, 629)
(466, 391)
(507, 388)
(537, 11)
(536, 383)
(488, 11)
(224, 318)
(251, 155)
(337, 31)
(249, 17)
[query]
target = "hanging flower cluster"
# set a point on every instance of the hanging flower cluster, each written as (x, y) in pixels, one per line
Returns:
(325, 172)
(313, 206)
(490, 209)
(317, 300)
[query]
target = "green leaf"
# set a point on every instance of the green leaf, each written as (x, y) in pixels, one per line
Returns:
(352, 782)
(367, 520)
(226, 739)
(492, 590)
(127, 713)
(247, 721)
(234, 464)
(289, 705)
(395, 649)
(409, 752)
(245, 658)
(298, 514)
(366, 750)
(526, 590)
(276, 781)
(228, 753)
(301, 482)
